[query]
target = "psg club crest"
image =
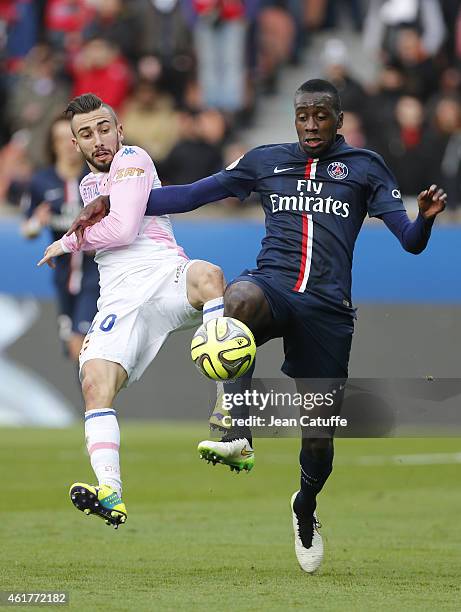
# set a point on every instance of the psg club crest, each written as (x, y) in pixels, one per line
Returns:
(337, 170)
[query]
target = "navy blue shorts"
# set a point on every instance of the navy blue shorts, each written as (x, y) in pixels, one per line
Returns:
(76, 312)
(316, 334)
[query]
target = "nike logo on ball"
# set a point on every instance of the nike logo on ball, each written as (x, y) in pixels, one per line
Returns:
(277, 169)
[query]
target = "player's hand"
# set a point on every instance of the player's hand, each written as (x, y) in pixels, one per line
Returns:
(432, 201)
(32, 227)
(43, 213)
(91, 214)
(54, 250)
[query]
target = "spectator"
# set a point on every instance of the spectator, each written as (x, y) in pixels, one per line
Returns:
(457, 35)
(65, 21)
(387, 92)
(166, 36)
(22, 20)
(402, 145)
(120, 23)
(15, 169)
(333, 7)
(219, 34)
(150, 121)
(450, 81)
(336, 62)
(419, 72)
(442, 148)
(352, 130)
(384, 19)
(451, 14)
(101, 69)
(37, 97)
(199, 152)
(276, 35)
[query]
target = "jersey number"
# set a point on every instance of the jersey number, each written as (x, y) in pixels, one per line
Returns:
(108, 323)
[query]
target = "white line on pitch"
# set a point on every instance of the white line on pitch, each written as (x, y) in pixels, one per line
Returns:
(414, 459)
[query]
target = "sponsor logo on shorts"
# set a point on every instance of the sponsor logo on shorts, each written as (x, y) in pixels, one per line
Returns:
(179, 271)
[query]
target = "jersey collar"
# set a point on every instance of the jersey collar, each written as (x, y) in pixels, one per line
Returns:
(338, 143)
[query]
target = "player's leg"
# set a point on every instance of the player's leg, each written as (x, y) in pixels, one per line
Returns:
(66, 303)
(205, 288)
(84, 309)
(101, 381)
(247, 302)
(74, 346)
(317, 346)
(107, 359)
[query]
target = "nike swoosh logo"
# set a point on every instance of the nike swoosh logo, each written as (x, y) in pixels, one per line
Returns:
(278, 170)
(246, 453)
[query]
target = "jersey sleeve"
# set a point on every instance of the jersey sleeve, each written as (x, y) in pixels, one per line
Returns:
(129, 184)
(240, 177)
(32, 198)
(383, 194)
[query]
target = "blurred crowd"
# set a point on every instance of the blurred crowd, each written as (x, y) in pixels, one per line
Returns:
(186, 77)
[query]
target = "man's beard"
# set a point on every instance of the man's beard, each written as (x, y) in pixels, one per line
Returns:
(103, 166)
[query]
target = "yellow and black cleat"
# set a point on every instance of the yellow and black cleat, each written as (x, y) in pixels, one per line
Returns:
(101, 500)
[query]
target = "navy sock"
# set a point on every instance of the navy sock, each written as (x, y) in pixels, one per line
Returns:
(316, 460)
(240, 385)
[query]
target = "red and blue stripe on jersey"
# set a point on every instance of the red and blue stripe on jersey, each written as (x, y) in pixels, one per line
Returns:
(307, 235)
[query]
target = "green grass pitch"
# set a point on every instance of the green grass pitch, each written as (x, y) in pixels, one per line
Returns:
(202, 538)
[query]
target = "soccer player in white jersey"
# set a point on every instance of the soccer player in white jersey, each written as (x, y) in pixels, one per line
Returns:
(148, 288)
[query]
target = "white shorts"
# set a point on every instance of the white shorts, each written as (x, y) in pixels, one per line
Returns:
(132, 323)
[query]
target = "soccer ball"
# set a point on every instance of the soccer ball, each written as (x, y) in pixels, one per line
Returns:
(223, 348)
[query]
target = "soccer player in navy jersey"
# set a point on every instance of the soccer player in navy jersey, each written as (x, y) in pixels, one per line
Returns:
(315, 194)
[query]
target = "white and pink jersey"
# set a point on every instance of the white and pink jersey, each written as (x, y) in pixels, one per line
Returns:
(126, 242)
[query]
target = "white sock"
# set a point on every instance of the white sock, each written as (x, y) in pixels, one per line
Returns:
(102, 436)
(213, 309)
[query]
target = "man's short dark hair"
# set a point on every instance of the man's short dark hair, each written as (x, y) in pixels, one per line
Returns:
(321, 86)
(86, 103)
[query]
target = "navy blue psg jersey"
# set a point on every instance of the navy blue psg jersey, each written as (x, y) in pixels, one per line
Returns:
(314, 209)
(62, 196)
(73, 271)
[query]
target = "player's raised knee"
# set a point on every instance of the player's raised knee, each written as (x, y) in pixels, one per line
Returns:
(243, 301)
(205, 281)
(212, 279)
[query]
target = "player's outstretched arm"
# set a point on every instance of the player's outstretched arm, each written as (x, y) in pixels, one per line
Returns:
(184, 198)
(162, 201)
(414, 236)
